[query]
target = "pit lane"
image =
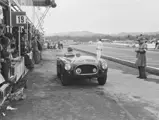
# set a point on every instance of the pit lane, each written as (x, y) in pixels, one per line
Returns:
(47, 99)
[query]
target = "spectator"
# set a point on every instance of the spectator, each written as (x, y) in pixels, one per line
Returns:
(141, 58)
(157, 44)
(36, 52)
(6, 63)
(99, 48)
(40, 48)
(61, 44)
(4, 54)
(2, 37)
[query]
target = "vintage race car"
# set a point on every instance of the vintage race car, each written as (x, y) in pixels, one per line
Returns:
(72, 67)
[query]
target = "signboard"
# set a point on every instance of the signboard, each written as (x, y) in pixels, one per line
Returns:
(19, 19)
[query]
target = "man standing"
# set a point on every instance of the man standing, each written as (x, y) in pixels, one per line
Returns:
(141, 58)
(5, 55)
(157, 44)
(61, 44)
(1, 39)
(36, 52)
(99, 48)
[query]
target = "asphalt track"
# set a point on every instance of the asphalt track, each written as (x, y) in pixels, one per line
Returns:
(124, 53)
(124, 97)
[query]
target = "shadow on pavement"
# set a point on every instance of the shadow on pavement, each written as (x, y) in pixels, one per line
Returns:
(82, 83)
(123, 68)
(132, 71)
(152, 80)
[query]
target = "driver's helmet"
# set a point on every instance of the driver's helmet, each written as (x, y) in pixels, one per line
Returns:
(69, 49)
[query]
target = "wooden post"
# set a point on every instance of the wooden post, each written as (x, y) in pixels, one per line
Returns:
(19, 46)
(27, 32)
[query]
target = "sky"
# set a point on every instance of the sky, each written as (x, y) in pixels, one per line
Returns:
(103, 16)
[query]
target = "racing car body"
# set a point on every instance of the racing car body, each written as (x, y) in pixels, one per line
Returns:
(74, 67)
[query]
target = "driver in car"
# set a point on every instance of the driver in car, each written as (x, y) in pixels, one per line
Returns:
(69, 53)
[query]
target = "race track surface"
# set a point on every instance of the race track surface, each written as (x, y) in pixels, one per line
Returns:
(124, 97)
(123, 53)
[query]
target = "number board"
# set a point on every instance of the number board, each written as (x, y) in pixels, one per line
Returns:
(19, 19)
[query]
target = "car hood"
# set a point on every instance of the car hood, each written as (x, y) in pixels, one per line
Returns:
(84, 60)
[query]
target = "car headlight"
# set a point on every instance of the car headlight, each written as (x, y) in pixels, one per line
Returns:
(78, 70)
(67, 67)
(104, 65)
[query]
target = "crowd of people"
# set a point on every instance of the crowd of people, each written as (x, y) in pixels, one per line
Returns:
(56, 45)
(9, 51)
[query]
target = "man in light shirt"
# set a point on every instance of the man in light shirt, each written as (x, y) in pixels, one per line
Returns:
(99, 48)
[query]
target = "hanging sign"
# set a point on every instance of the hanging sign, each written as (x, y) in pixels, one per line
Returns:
(19, 19)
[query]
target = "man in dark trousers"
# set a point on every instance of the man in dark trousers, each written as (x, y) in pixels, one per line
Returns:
(157, 44)
(141, 58)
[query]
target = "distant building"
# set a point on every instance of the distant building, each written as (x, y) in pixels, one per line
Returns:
(106, 40)
(68, 41)
(90, 42)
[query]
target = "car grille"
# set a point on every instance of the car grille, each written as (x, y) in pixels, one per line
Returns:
(86, 69)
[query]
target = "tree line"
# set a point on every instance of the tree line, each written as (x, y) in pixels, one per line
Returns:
(94, 38)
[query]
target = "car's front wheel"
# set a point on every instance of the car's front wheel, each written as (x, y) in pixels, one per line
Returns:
(64, 79)
(102, 80)
(57, 70)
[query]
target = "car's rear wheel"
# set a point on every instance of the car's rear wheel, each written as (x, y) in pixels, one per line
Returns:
(65, 80)
(102, 80)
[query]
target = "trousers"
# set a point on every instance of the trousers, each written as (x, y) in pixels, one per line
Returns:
(99, 53)
(142, 72)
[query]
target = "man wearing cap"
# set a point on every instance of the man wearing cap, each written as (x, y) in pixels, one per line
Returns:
(141, 58)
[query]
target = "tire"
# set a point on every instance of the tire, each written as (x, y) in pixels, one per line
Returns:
(65, 80)
(58, 74)
(102, 80)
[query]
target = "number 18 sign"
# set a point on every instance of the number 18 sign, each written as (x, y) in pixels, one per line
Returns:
(19, 19)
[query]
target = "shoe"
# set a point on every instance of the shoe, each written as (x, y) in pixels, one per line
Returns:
(144, 77)
(139, 77)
